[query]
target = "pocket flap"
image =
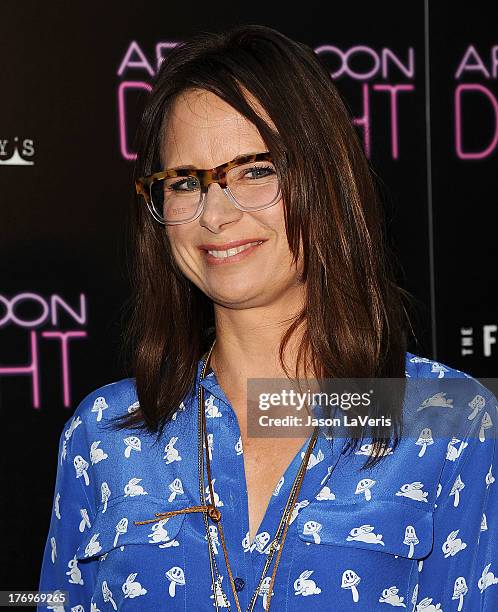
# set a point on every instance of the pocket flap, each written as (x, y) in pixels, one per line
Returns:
(115, 527)
(391, 527)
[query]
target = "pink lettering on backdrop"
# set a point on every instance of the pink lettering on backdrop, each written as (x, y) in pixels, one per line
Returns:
(31, 369)
(393, 97)
(123, 88)
(473, 62)
(64, 337)
(380, 63)
(383, 64)
(135, 59)
(50, 311)
(459, 119)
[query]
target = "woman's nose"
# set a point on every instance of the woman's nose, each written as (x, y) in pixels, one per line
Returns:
(218, 207)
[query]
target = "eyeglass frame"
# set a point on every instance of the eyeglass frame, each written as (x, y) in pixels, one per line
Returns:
(218, 174)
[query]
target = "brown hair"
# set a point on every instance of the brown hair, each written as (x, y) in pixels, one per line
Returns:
(354, 316)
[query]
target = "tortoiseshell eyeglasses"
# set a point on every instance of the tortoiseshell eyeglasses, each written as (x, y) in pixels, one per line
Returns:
(178, 195)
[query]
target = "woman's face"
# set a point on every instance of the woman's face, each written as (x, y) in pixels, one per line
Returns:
(205, 131)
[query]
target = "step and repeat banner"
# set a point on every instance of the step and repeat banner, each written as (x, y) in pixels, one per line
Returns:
(420, 80)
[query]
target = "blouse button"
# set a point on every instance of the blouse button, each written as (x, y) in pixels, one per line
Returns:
(239, 583)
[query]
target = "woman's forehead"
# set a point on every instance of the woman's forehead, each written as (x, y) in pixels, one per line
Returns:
(204, 130)
(203, 109)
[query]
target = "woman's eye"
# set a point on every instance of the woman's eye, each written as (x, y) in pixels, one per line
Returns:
(187, 184)
(259, 172)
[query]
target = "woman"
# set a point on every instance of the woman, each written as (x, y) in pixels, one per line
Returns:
(163, 499)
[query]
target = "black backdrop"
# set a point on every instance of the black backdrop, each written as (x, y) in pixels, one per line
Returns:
(421, 83)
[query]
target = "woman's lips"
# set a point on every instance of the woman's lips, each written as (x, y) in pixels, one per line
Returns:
(224, 259)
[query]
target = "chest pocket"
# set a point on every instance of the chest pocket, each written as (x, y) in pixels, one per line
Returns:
(396, 528)
(115, 527)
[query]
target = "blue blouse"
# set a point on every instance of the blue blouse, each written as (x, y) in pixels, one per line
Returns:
(417, 531)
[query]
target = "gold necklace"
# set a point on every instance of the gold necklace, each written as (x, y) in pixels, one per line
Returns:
(215, 514)
(210, 511)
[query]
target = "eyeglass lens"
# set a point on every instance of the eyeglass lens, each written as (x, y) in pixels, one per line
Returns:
(253, 185)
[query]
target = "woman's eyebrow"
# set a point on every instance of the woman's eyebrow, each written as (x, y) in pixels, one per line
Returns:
(192, 167)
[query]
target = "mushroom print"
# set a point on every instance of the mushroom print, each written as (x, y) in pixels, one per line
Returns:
(176, 488)
(133, 488)
(81, 467)
(260, 542)
(176, 576)
(121, 527)
(364, 534)
(74, 572)
(413, 490)
(107, 595)
(304, 586)
(438, 400)
(85, 521)
(98, 406)
(417, 534)
(486, 423)
(93, 547)
(213, 535)
(53, 545)
(105, 493)
(458, 485)
(350, 580)
(96, 453)
(264, 590)
(131, 588)
(132, 443)
(489, 477)
(172, 453)
(410, 539)
(424, 440)
(487, 578)
(477, 404)
(391, 596)
(364, 486)
(313, 528)
(218, 594)
(453, 544)
(459, 590)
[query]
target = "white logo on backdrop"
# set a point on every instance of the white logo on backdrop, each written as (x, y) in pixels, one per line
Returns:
(22, 150)
(489, 340)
